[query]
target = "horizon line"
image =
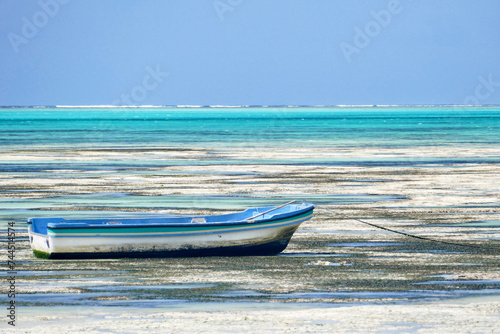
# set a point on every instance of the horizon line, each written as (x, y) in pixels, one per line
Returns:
(187, 106)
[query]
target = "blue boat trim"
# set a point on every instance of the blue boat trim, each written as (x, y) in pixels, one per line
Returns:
(59, 223)
(187, 233)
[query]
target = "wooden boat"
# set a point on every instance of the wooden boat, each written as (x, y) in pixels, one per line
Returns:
(255, 231)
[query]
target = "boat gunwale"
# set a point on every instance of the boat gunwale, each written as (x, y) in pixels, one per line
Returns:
(273, 218)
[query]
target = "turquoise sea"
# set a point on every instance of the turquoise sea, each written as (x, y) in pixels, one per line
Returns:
(137, 162)
(68, 128)
(39, 143)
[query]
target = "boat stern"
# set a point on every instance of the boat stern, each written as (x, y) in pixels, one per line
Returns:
(40, 243)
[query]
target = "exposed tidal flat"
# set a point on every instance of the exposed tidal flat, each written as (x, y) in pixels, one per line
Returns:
(337, 274)
(430, 173)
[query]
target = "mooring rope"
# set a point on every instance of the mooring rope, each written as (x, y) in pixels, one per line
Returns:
(402, 233)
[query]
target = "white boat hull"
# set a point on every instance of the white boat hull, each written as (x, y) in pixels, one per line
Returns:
(116, 239)
(57, 247)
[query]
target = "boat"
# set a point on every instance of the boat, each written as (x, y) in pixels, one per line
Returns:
(255, 231)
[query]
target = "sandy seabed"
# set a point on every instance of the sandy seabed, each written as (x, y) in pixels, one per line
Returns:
(452, 317)
(337, 274)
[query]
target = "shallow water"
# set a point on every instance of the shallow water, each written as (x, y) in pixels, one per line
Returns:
(482, 224)
(395, 167)
(367, 244)
(17, 209)
(118, 143)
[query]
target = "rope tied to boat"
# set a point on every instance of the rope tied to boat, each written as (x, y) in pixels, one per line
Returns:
(405, 233)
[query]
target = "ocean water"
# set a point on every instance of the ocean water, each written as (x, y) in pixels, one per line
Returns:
(112, 151)
(248, 127)
(41, 133)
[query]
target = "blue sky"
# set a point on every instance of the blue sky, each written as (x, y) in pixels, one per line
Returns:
(249, 52)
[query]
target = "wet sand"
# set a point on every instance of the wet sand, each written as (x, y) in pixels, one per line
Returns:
(337, 274)
(458, 317)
